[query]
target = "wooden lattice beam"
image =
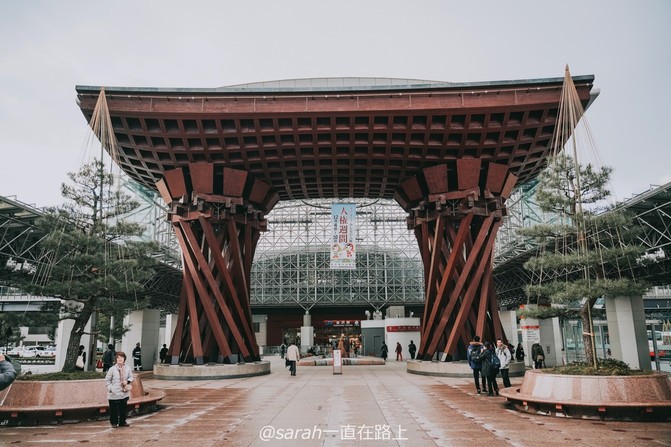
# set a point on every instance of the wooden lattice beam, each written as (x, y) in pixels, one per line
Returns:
(217, 214)
(455, 221)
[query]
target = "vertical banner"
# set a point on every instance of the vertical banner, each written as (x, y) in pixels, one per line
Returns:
(343, 220)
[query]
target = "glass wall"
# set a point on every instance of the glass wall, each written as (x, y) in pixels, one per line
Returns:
(574, 348)
(292, 262)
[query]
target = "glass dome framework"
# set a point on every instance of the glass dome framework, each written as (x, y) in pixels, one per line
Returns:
(292, 268)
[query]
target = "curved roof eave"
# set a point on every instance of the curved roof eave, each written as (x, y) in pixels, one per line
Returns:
(310, 85)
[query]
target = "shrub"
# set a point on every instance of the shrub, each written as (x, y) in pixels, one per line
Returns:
(606, 367)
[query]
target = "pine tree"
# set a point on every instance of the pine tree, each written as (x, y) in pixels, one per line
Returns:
(588, 254)
(96, 260)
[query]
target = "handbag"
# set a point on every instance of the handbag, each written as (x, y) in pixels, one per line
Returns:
(80, 362)
(539, 358)
(287, 362)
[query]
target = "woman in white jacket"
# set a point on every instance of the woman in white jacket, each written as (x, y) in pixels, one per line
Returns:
(118, 381)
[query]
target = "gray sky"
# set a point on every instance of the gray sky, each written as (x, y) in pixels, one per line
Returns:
(48, 47)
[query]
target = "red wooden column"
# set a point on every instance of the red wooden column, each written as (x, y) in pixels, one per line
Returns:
(217, 214)
(455, 214)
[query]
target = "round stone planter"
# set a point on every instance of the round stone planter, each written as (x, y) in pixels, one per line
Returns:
(593, 397)
(454, 369)
(34, 402)
(216, 371)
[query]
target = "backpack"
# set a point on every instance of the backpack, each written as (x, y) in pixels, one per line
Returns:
(476, 355)
(496, 362)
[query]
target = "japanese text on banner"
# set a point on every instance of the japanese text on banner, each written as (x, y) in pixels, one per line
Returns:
(343, 253)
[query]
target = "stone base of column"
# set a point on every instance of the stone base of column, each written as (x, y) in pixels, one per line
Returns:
(211, 371)
(455, 369)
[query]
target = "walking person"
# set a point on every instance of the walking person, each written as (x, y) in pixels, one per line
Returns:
(384, 351)
(109, 358)
(490, 368)
(163, 353)
(503, 353)
(7, 372)
(80, 363)
(283, 349)
(537, 355)
(475, 362)
(137, 357)
(412, 349)
(399, 351)
(293, 356)
(118, 381)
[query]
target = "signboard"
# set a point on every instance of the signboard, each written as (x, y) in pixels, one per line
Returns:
(343, 232)
(337, 362)
(402, 328)
(531, 334)
(342, 323)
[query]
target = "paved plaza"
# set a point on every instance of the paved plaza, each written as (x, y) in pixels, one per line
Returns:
(365, 406)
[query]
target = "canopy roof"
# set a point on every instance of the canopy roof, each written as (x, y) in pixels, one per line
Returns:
(335, 137)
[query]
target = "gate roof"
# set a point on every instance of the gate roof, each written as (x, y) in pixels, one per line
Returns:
(335, 137)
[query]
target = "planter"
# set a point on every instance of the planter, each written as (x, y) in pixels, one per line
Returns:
(460, 368)
(600, 397)
(32, 402)
(210, 371)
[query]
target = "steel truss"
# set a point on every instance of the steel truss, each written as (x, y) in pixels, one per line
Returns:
(292, 265)
(652, 213)
(19, 238)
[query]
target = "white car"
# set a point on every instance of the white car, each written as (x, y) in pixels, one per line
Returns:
(28, 352)
(48, 352)
(15, 351)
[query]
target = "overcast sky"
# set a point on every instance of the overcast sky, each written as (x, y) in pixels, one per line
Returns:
(48, 47)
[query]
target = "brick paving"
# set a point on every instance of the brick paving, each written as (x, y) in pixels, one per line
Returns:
(365, 406)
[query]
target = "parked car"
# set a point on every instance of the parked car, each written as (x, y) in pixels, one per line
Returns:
(15, 351)
(29, 352)
(49, 352)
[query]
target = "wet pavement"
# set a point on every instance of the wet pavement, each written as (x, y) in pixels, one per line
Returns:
(365, 406)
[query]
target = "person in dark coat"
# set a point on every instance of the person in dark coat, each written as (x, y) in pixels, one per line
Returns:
(519, 353)
(109, 357)
(473, 356)
(137, 357)
(163, 353)
(490, 368)
(399, 351)
(412, 349)
(384, 350)
(537, 355)
(7, 372)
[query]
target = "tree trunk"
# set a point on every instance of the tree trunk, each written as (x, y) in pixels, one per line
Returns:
(76, 335)
(587, 331)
